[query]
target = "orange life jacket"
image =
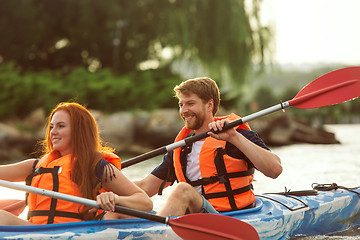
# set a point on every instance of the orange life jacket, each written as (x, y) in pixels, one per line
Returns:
(226, 181)
(52, 173)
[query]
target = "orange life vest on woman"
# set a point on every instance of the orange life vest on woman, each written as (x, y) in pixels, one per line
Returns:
(52, 173)
(226, 181)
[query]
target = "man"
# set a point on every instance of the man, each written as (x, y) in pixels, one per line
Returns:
(215, 173)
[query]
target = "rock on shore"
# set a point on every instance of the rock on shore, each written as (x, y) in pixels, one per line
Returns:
(139, 132)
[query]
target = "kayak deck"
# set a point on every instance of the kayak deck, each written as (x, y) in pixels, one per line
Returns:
(284, 216)
(275, 216)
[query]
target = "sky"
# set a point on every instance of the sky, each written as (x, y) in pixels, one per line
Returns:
(314, 31)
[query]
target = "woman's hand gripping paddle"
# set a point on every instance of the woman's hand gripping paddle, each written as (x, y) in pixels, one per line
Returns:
(334, 87)
(191, 226)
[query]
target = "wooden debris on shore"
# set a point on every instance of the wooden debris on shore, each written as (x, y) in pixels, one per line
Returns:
(285, 130)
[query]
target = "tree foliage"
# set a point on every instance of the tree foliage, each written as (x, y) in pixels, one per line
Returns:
(65, 34)
(22, 93)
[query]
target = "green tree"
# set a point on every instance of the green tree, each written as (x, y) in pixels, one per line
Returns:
(265, 97)
(65, 34)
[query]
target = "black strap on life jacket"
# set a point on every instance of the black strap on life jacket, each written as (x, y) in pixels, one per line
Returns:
(56, 214)
(223, 177)
(51, 213)
(29, 179)
(170, 178)
(214, 179)
(171, 172)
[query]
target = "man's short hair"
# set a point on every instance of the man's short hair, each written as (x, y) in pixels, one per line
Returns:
(205, 88)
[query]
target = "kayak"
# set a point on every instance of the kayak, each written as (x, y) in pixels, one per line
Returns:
(325, 209)
(283, 216)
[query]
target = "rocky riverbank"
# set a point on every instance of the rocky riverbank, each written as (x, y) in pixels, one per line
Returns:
(138, 132)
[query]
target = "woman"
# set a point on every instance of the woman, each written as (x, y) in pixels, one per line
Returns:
(75, 162)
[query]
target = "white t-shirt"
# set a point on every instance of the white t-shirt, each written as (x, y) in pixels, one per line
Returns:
(193, 168)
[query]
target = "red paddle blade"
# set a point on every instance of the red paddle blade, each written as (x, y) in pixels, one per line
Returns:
(334, 87)
(212, 227)
(15, 206)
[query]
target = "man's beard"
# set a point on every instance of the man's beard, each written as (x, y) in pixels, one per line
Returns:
(199, 121)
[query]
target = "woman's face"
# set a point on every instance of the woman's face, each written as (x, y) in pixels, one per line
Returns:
(60, 132)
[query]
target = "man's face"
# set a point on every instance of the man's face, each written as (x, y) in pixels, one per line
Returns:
(192, 110)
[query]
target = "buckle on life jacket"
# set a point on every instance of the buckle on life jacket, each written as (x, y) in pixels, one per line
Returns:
(222, 179)
(37, 171)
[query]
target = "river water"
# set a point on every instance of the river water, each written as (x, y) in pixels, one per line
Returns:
(303, 164)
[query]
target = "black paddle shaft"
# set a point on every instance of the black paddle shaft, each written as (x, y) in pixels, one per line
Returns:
(175, 145)
(140, 214)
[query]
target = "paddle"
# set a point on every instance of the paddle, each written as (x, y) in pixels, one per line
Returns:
(332, 88)
(15, 206)
(191, 226)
